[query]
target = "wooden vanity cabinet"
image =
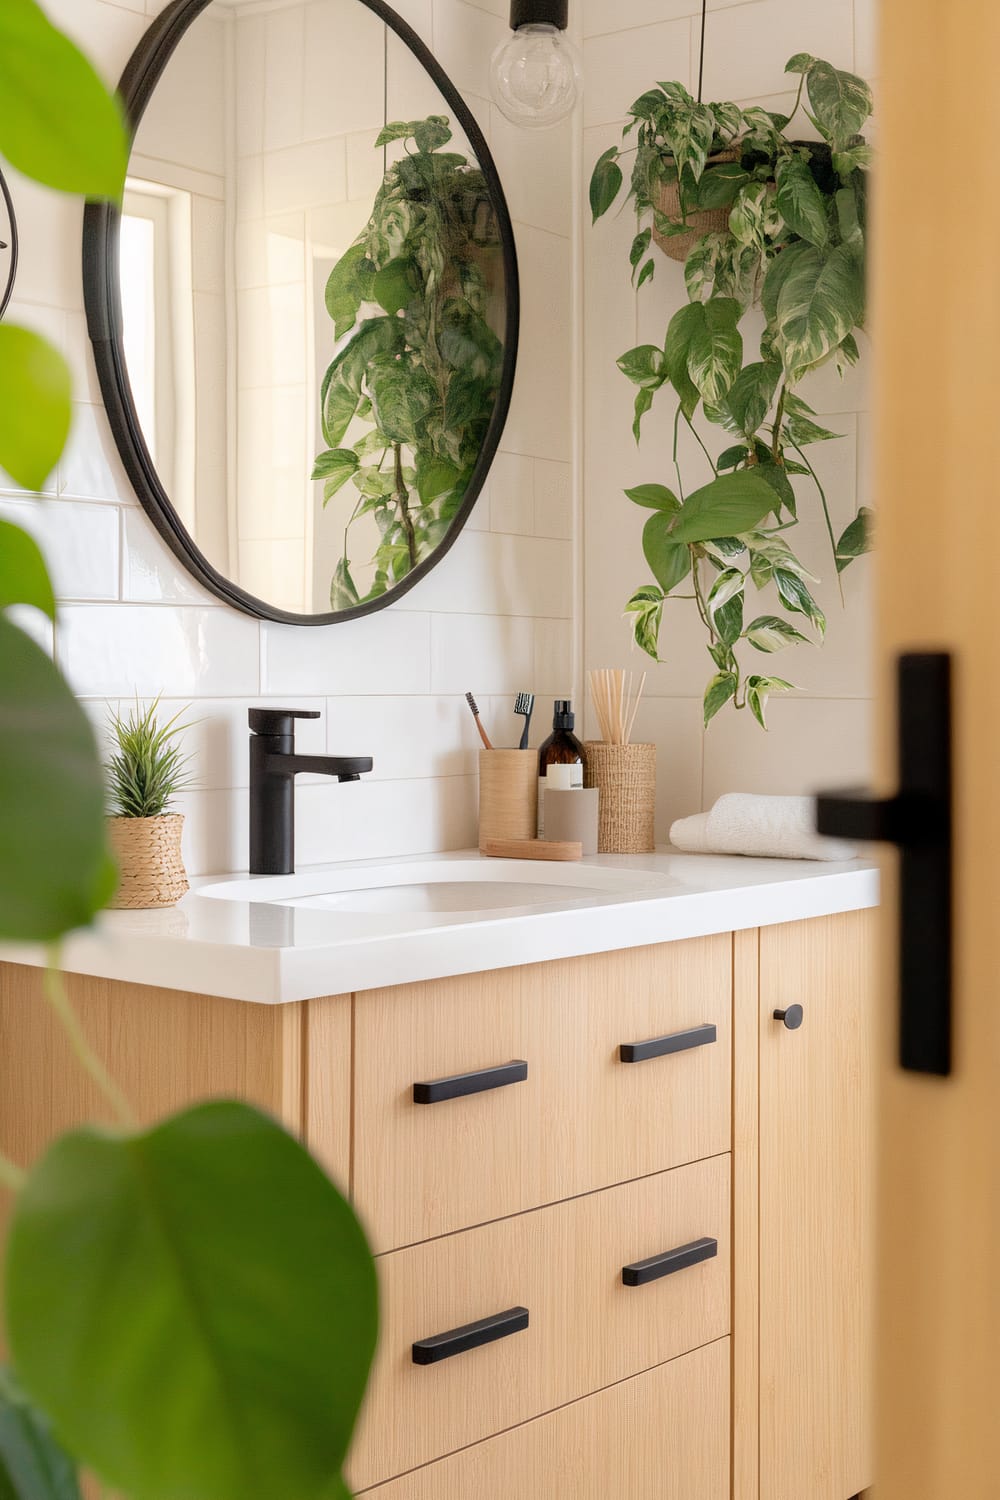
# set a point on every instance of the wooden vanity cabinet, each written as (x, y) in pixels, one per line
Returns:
(670, 1185)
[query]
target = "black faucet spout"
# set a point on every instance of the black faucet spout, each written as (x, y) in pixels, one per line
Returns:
(274, 766)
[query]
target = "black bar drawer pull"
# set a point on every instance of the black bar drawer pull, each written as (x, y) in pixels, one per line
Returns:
(472, 1336)
(644, 1271)
(461, 1084)
(662, 1046)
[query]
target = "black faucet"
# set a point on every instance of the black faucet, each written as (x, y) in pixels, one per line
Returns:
(274, 766)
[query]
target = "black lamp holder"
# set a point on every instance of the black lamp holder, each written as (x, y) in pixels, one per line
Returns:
(539, 13)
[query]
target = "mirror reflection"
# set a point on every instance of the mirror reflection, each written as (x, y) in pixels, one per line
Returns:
(314, 302)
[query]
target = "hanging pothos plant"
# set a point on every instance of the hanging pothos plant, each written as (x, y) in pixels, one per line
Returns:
(423, 368)
(793, 246)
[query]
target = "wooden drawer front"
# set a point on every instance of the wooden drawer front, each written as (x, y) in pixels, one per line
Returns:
(585, 1328)
(582, 1119)
(660, 1436)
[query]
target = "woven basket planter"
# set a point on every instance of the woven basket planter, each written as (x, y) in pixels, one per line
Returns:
(148, 853)
(625, 776)
(702, 220)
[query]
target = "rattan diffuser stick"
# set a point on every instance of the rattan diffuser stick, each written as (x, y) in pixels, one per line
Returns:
(616, 702)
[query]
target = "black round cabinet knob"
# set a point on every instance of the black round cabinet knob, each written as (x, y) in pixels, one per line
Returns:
(791, 1018)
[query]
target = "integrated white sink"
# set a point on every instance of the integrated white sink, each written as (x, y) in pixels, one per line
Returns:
(467, 889)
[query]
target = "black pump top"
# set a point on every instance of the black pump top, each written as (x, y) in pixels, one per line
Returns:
(564, 717)
(539, 13)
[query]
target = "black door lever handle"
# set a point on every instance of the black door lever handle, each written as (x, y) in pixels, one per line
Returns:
(918, 820)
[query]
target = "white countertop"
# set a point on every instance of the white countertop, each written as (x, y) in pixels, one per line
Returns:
(270, 952)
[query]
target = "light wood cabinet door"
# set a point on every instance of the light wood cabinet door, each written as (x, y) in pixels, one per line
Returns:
(582, 1118)
(816, 1202)
(585, 1328)
(661, 1436)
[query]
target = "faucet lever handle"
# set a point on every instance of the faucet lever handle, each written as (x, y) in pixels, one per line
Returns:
(278, 720)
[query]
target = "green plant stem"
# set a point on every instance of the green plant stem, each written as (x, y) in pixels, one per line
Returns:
(702, 606)
(55, 993)
(701, 445)
(404, 509)
(779, 417)
(826, 514)
(11, 1175)
(677, 463)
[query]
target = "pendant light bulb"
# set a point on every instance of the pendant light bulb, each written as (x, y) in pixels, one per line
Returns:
(535, 75)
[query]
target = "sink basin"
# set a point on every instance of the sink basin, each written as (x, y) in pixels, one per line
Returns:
(467, 889)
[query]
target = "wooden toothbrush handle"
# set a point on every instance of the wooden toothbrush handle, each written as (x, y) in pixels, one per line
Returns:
(482, 732)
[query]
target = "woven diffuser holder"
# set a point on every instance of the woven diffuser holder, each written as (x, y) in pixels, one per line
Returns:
(625, 776)
(148, 854)
(508, 795)
(702, 220)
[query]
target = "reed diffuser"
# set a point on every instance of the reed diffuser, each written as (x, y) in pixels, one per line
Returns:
(623, 772)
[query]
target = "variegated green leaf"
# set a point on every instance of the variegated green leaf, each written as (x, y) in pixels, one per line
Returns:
(800, 429)
(769, 633)
(750, 397)
(715, 348)
(643, 402)
(644, 366)
(800, 202)
(719, 692)
(646, 610)
(796, 597)
(856, 539)
(759, 689)
(841, 103)
(746, 217)
(800, 63)
(821, 301)
(846, 162)
(700, 266)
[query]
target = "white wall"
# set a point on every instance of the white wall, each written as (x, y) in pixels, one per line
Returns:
(821, 735)
(494, 617)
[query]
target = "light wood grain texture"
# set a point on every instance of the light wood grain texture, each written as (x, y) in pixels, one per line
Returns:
(508, 795)
(816, 1209)
(164, 1048)
(745, 1228)
(328, 1085)
(553, 849)
(938, 336)
(661, 1436)
(582, 1120)
(587, 1330)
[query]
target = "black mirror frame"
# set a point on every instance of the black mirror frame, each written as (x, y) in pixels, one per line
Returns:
(7, 287)
(102, 297)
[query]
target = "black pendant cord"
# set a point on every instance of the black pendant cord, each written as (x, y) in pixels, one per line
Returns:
(701, 54)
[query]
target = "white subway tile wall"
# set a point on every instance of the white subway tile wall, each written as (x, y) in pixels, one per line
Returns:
(503, 612)
(821, 735)
(496, 617)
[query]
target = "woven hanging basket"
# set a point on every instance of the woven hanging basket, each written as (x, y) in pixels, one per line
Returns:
(625, 776)
(701, 221)
(148, 854)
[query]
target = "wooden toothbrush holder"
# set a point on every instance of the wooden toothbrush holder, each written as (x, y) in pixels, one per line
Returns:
(625, 776)
(508, 795)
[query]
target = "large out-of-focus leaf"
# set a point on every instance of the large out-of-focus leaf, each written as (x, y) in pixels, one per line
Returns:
(24, 578)
(59, 123)
(54, 871)
(35, 404)
(32, 1464)
(194, 1306)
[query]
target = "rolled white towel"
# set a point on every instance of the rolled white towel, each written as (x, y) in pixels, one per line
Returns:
(772, 827)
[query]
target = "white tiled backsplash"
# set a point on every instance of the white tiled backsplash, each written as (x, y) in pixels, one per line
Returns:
(503, 611)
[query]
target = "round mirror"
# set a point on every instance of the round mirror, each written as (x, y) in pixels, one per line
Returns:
(8, 245)
(305, 313)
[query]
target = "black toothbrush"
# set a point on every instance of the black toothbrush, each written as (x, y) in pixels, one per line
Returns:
(524, 704)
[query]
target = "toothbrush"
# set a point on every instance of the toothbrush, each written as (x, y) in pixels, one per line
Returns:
(524, 704)
(479, 723)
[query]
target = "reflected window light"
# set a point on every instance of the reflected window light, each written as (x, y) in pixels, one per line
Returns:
(138, 287)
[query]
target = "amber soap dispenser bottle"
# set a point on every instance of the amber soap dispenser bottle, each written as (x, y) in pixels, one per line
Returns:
(560, 757)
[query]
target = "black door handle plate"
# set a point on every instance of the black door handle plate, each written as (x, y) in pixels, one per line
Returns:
(918, 819)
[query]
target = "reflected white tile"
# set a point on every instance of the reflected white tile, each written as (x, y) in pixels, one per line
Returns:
(811, 744)
(271, 252)
(272, 348)
(118, 650)
(486, 573)
(250, 187)
(307, 176)
(275, 570)
(364, 167)
(80, 544)
(185, 119)
(342, 29)
(284, 77)
(208, 245)
(382, 653)
(481, 654)
(251, 49)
